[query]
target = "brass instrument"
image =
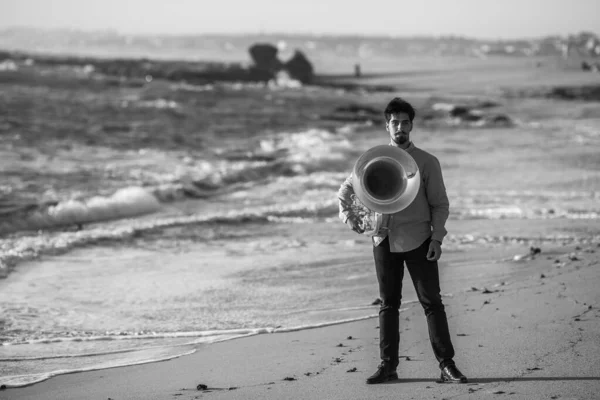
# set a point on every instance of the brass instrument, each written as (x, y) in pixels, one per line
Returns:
(386, 180)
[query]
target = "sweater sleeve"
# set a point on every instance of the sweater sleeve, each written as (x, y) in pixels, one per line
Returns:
(345, 198)
(438, 200)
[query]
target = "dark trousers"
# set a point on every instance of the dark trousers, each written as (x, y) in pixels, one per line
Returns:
(426, 279)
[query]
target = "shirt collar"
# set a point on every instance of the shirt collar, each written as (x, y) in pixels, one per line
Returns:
(409, 149)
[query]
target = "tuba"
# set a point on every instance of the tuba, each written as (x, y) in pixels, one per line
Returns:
(386, 180)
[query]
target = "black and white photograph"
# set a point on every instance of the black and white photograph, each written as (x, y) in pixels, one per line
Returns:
(280, 200)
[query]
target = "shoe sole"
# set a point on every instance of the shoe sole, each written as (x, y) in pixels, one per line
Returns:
(446, 380)
(392, 377)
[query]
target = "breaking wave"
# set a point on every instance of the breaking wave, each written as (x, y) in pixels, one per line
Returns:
(40, 368)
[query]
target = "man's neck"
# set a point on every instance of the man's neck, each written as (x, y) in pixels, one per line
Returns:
(403, 146)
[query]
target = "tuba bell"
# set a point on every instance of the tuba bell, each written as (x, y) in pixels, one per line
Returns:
(386, 180)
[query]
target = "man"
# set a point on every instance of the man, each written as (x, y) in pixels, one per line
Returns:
(413, 237)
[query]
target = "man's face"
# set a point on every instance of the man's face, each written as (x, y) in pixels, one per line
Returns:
(399, 127)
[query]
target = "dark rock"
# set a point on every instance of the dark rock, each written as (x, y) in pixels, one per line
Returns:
(534, 250)
(460, 111)
(487, 104)
(299, 67)
(585, 66)
(500, 119)
(471, 117)
(265, 59)
(201, 386)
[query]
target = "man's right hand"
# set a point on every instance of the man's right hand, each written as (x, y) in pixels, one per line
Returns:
(354, 225)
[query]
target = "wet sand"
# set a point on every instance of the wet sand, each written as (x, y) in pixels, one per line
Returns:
(533, 334)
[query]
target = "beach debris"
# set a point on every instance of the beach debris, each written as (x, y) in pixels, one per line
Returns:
(201, 386)
(307, 373)
(487, 291)
(352, 369)
(376, 302)
(349, 338)
(573, 257)
(407, 358)
(487, 302)
(461, 334)
(289, 378)
(542, 276)
(498, 392)
(340, 345)
(338, 360)
(534, 251)
(473, 289)
(534, 369)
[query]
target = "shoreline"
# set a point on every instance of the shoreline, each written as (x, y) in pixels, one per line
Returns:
(505, 345)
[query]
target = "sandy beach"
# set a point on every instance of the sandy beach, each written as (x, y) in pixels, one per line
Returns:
(181, 241)
(533, 334)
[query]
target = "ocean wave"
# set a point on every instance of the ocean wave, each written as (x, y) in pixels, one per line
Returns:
(19, 248)
(129, 357)
(154, 335)
(126, 202)
(274, 157)
(515, 212)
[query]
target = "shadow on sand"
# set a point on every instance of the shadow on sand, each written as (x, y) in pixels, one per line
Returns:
(507, 379)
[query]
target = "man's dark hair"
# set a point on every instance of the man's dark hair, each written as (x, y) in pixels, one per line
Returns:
(398, 105)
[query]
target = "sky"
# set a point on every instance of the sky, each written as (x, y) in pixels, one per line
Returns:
(485, 19)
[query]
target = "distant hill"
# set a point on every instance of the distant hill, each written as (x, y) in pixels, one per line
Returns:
(234, 47)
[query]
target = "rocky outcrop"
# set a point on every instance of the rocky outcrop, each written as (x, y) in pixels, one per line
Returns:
(265, 59)
(267, 65)
(467, 115)
(299, 67)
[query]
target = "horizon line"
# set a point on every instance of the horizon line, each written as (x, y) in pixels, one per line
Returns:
(291, 34)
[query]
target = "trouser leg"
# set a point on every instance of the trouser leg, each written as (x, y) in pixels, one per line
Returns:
(390, 271)
(426, 279)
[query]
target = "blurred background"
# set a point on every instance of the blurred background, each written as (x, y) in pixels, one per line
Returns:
(171, 169)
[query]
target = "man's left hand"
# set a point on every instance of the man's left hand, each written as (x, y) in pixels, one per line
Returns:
(435, 251)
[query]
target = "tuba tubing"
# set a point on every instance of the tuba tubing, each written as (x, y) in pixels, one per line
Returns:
(385, 180)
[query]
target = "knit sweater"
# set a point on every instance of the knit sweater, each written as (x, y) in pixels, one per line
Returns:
(425, 217)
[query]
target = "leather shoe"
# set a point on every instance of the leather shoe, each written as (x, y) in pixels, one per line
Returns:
(385, 373)
(451, 374)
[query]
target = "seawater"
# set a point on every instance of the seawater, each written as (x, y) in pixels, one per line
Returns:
(258, 256)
